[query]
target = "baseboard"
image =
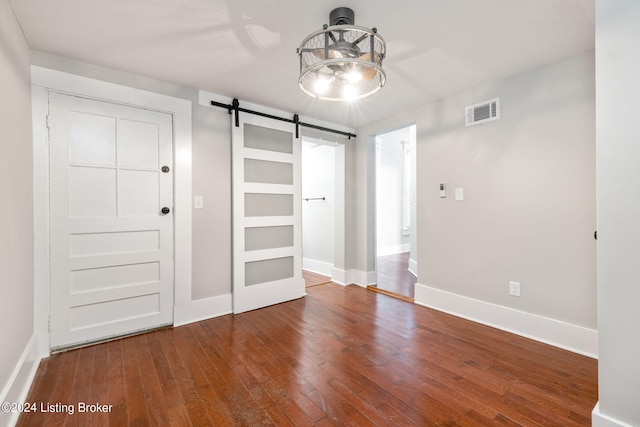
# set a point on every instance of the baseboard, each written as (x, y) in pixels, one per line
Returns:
(413, 267)
(560, 334)
(319, 267)
(598, 419)
(371, 278)
(202, 309)
(19, 383)
(359, 277)
(391, 250)
(353, 277)
(339, 276)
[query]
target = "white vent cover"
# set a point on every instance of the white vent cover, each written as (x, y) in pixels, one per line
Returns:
(482, 112)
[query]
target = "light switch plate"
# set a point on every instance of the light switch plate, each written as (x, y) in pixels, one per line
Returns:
(198, 202)
(514, 289)
(459, 193)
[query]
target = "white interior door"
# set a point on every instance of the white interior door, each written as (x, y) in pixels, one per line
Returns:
(267, 203)
(111, 244)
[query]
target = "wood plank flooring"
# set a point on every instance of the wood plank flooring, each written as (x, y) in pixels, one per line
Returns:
(339, 356)
(314, 279)
(394, 275)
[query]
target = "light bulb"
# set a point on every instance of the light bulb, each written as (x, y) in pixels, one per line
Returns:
(354, 76)
(322, 85)
(349, 93)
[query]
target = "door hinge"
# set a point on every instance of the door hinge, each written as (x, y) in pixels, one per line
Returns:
(48, 127)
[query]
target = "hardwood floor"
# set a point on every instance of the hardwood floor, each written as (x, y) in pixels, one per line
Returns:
(394, 275)
(314, 279)
(340, 356)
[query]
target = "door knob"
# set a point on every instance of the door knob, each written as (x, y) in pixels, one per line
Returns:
(165, 210)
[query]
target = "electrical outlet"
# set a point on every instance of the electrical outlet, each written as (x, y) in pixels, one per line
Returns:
(514, 289)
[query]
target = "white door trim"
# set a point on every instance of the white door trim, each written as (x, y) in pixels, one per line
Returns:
(44, 80)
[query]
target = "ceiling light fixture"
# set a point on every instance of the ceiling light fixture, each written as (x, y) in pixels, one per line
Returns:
(342, 62)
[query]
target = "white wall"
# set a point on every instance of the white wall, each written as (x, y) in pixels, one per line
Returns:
(16, 193)
(339, 244)
(529, 208)
(318, 216)
(389, 192)
(212, 180)
(360, 205)
(618, 189)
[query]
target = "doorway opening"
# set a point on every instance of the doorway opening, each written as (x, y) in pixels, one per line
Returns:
(395, 212)
(322, 210)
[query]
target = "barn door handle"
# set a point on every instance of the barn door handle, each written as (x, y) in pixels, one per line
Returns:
(165, 210)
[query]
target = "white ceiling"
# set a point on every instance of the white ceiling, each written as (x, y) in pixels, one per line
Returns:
(247, 48)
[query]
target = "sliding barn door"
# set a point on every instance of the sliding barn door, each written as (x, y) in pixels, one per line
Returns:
(267, 247)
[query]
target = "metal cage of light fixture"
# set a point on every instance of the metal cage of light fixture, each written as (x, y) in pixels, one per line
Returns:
(343, 61)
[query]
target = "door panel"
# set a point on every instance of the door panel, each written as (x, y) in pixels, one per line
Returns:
(267, 249)
(111, 247)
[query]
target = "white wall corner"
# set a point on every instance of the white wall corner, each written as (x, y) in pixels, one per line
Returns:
(19, 383)
(371, 278)
(413, 267)
(202, 309)
(560, 334)
(339, 276)
(361, 278)
(599, 419)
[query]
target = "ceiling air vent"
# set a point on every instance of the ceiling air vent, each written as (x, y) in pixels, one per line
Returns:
(482, 112)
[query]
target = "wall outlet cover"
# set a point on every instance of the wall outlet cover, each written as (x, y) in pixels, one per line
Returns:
(514, 289)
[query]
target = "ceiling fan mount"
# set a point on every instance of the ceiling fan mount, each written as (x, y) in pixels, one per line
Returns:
(342, 16)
